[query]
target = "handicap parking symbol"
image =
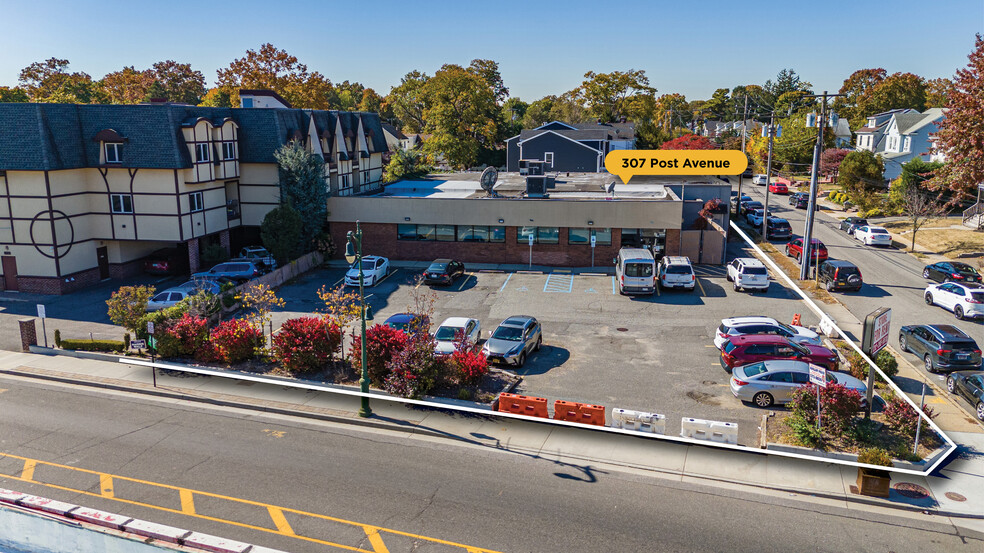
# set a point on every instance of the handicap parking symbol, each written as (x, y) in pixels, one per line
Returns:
(590, 291)
(522, 289)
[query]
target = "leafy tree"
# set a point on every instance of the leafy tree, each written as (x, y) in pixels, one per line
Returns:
(127, 86)
(831, 159)
(462, 115)
(717, 107)
(489, 71)
(858, 88)
(303, 186)
(938, 92)
(128, 305)
(50, 81)
(281, 233)
(258, 300)
(406, 164)
(570, 107)
(960, 134)
(346, 95)
(672, 110)
(277, 70)
(371, 102)
(605, 94)
(539, 112)
(221, 97)
(15, 94)
(409, 101)
(861, 174)
(786, 81)
(513, 111)
(177, 82)
(689, 142)
(897, 91)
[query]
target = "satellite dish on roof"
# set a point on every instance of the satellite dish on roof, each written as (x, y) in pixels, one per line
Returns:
(611, 188)
(488, 178)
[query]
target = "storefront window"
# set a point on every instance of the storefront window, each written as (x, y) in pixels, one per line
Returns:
(406, 232)
(445, 233)
(523, 233)
(497, 234)
(472, 233)
(547, 235)
(603, 236)
(425, 232)
(578, 236)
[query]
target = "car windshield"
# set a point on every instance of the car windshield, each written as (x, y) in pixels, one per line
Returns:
(510, 333)
(786, 327)
(729, 347)
(678, 270)
(437, 267)
(638, 269)
(448, 333)
(755, 271)
(398, 326)
(753, 369)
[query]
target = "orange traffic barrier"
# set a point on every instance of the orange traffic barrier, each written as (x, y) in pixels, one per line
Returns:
(523, 405)
(583, 413)
(592, 414)
(566, 411)
(796, 320)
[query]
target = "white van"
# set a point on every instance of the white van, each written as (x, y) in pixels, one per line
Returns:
(635, 271)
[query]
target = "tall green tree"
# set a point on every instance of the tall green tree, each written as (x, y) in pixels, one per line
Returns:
(786, 81)
(938, 92)
(409, 101)
(488, 70)
(861, 172)
(50, 81)
(15, 94)
(127, 86)
(462, 115)
(282, 233)
(858, 88)
(539, 112)
(177, 82)
(898, 91)
(513, 111)
(303, 187)
(406, 164)
(605, 94)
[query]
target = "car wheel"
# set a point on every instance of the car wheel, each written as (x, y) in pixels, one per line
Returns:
(926, 273)
(947, 279)
(830, 286)
(736, 287)
(798, 256)
(980, 411)
(951, 384)
(929, 298)
(903, 344)
(958, 312)
(522, 359)
(763, 399)
(728, 276)
(539, 342)
(928, 361)
(787, 251)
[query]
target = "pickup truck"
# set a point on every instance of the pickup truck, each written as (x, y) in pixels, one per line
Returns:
(258, 256)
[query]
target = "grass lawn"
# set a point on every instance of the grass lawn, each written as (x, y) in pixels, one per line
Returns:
(950, 242)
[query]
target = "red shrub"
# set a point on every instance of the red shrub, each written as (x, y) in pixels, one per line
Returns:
(469, 366)
(903, 417)
(191, 333)
(236, 340)
(306, 343)
(384, 344)
(838, 405)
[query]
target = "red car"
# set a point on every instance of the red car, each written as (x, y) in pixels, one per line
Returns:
(751, 348)
(778, 188)
(818, 252)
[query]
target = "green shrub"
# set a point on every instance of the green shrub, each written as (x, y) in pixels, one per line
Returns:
(875, 456)
(57, 338)
(213, 255)
(126, 340)
(228, 299)
(887, 363)
(863, 432)
(160, 319)
(874, 212)
(806, 432)
(93, 345)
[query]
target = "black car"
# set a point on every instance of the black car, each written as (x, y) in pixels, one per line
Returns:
(941, 347)
(778, 229)
(443, 271)
(848, 225)
(750, 205)
(946, 271)
(836, 274)
(735, 200)
(969, 384)
(796, 196)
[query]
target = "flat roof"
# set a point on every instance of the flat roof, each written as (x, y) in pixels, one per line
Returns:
(566, 186)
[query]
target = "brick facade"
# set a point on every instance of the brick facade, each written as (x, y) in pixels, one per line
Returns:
(224, 240)
(124, 270)
(380, 239)
(194, 262)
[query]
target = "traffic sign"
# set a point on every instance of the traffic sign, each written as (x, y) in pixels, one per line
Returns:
(531, 239)
(150, 327)
(818, 375)
(40, 310)
(592, 240)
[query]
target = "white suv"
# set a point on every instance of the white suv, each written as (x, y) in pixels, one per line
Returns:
(737, 326)
(676, 272)
(965, 300)
(748, 273)
(759, 180)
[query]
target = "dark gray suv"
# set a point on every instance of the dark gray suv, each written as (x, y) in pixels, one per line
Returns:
(839, 275)
(941, 347)
(513, 340)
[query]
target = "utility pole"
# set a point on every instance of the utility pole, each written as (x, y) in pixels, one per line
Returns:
(812, 205)
(744, 131)
(768, 176)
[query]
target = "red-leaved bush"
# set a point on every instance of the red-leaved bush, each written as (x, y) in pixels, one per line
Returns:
(903, 417)
(306, 343)
(384, 343)
(469, 366)
(414, 370)
(838, 405)
(235, 340)
(191, 333)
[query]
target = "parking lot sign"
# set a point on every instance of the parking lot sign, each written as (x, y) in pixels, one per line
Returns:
(593, 240)
(818, 375)
(876, 327)
(138, 344)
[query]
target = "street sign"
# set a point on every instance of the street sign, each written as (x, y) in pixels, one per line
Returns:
(876, 328)
(138, 344)
(40, 311)
(818, 375)
(150, 327)
(592, 240)
(531, 239)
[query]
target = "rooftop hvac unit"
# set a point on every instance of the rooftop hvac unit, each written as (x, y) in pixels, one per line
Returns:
(536, 186)
(536, 167)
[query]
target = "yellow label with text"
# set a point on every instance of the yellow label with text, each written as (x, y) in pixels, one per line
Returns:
(629, 163)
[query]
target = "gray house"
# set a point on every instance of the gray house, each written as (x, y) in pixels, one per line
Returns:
(565, 147)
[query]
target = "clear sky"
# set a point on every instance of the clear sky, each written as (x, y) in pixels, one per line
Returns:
(691, 47)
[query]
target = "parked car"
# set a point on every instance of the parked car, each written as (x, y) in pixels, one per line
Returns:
(168, 298)
(443, 271)
(635, 271)
(778, 188)
(676, 272)
(848, 225)
(166, 261)
(837, 275)
(872, 236)
(736, 200)
(748, 273)
(201, 285)
(795, 197)
(754, 217)
(801, 200)
(408, 322)
(773, 382)
(259, 256)
(742, 350)
(759, 180)
(455, 329)
(741, 326)
(374, 269)
(970, 385)
(945, 271)
(237, 271)
(965, 300)
(750, 205)
(941, 347)
(778, 229)
(513, 340)
(818, 252)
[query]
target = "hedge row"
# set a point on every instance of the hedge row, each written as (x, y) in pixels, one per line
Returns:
(93, 345)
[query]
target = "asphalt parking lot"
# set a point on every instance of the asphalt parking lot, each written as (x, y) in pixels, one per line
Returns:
(648, 353)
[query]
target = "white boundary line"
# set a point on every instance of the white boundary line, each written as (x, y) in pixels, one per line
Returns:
(816, 309)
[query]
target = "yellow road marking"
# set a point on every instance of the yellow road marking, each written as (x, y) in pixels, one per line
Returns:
(275, 433)
(375, 540)
(277, 516)
(701, 287)
(27, 475)
(187, 501)
(464, 282)
(935, 399)
(106, 485)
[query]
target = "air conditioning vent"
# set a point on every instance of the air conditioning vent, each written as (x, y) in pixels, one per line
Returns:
(536, 186)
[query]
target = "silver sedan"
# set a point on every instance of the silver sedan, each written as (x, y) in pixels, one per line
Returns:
(514, 339)
(773, 382)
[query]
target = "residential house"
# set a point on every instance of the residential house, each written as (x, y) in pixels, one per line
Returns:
(908, 136)
(869, 137)
(566, 147)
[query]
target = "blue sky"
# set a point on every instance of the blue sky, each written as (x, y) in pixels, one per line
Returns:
(691, 47)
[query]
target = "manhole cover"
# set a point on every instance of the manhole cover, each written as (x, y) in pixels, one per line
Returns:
(910, 490)
(954, 496)
(622, 329)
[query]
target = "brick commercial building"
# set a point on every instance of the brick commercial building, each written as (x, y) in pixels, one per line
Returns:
(429, 219)
(88, 191)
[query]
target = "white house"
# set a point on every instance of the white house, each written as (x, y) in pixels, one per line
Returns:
(908, 136)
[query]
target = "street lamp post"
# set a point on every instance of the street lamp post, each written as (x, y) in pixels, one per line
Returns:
(353, 253)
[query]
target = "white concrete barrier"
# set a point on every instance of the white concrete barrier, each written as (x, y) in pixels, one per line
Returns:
(712, 431)
(639, 421)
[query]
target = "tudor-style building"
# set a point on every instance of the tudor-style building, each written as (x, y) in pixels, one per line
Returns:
(564, 147)
(88, 191)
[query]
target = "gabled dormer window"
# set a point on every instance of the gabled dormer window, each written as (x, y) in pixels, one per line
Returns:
(114, 151)
(201, 152)
(228, 150)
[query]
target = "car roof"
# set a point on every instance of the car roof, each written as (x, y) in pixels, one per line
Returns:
(947, 331)
(677, 260)
(442, 260)
(749, 261)
(755, 319)
(456, 321)
(517, 320)
(777, 220)
(839, 263)
(402, 318)
(758, 339)
(774, 365)
(969, 285)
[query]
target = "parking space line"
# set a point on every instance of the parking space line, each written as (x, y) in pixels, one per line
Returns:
(386, 276)
(613, 286)
(701, 287)
(506, 282)
(106, 485)
(341, 280)
(464, 282)
(556, 283)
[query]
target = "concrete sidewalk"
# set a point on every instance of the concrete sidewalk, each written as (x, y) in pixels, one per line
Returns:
(581, 447)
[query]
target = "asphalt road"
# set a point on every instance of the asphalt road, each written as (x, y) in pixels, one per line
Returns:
(892, 278)
(426, 489)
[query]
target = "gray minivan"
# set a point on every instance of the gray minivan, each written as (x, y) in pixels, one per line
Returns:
(635, 271)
